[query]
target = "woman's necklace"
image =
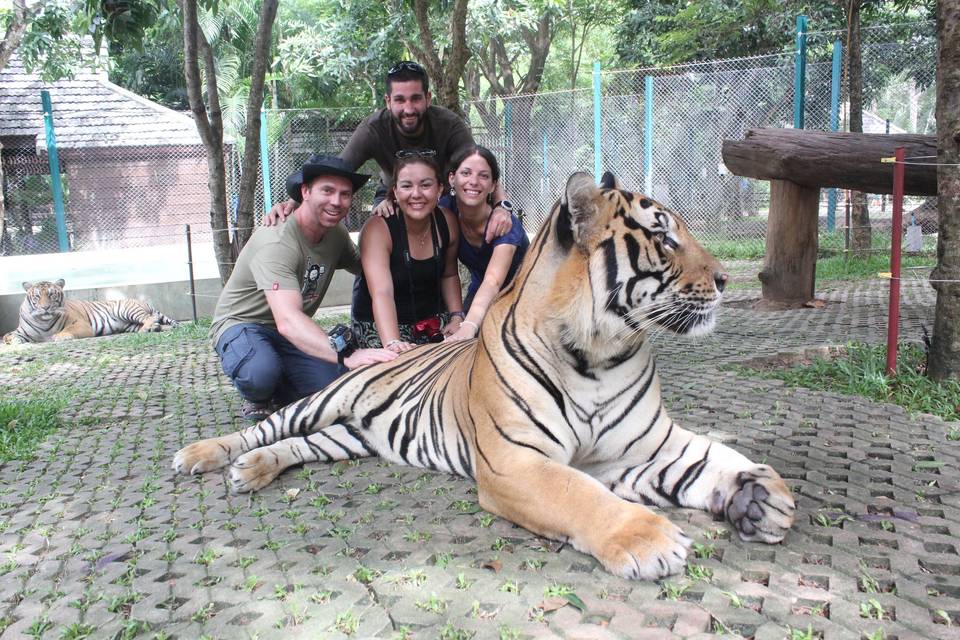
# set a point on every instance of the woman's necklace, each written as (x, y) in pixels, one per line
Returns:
(421, 237)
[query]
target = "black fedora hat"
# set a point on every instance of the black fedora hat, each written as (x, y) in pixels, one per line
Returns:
(317, 165)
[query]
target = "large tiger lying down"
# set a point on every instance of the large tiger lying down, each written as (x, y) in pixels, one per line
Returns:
(555, 410)
(46, 315)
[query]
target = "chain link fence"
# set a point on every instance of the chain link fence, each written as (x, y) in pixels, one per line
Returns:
(661, 131)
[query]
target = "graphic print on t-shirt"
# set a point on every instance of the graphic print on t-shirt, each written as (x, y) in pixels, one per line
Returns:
(311, 280)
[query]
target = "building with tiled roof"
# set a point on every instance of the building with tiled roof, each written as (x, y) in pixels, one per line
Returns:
(89, 111)
(134, 171)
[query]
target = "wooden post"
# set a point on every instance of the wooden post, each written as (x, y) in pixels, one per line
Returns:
(789, 266)
(798, 163)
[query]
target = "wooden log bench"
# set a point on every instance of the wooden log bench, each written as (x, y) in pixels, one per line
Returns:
(798, 163)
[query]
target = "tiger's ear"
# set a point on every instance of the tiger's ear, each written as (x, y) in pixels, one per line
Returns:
(59, 283)
(27, 285)
(577, 209)
(610, 181)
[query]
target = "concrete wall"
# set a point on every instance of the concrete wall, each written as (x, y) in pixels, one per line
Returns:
(172, 298)
(136, 196)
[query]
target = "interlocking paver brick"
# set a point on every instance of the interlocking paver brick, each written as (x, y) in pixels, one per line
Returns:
(97, 531)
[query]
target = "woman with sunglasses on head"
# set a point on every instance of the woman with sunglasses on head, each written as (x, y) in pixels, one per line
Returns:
(410, 281)
(474, 177)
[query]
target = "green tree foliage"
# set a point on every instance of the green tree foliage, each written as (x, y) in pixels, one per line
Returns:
(655, 32)
(334, 54)
(54, 43)
(155, 68)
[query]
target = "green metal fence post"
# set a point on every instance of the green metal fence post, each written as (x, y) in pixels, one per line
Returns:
(648, 135)
(265, 162)
(800, 73)
(597, 128)
(834, 126)
(54, 158)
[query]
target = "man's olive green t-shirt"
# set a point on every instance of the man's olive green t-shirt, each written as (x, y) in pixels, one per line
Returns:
(280, 258)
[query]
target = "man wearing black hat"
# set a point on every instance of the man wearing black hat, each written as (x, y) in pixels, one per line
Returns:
(408, 123)
(262, 328)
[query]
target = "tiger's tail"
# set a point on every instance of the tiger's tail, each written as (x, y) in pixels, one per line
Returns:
(163, 319)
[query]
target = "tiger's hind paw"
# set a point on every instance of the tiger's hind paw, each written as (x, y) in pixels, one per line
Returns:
(762, 507)
(206, 455)
(645, 547)
(254, 470)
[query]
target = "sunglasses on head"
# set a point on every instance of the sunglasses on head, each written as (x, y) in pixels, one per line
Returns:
(405, 65)
(415, 153)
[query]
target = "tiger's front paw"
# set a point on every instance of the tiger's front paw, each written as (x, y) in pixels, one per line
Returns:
(255, 470)
(646, 546)
(761, 507)
(207, 455)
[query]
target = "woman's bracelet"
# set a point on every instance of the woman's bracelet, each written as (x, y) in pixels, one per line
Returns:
(475, 325)
(392, 342)
(457, 314)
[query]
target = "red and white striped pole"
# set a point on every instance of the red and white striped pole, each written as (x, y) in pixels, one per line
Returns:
(893, 320)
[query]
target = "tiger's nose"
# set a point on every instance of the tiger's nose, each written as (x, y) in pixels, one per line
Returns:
(721, 280)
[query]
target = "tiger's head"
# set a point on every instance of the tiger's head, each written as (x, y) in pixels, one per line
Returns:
(44, 299)
(646, 271)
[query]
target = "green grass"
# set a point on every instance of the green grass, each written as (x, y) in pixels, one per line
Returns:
(861, 371)
(741, 249)
(830, 246)
(849, 268)
(329, 320)
(24, 424)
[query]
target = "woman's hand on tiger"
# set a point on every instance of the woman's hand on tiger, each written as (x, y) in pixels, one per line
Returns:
(362, 357)
(279, 212)
(500, 224)
(452, 326)
(399, 346)
(464, 333)
(385, 209)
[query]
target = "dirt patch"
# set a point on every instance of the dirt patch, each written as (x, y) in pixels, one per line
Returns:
(759, 304)
(791, 360)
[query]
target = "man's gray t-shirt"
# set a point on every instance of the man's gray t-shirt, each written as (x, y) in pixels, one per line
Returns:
(379, 138)
(281, 258)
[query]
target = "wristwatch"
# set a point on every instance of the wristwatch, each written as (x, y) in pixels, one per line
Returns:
(506, 205)
(341, 338)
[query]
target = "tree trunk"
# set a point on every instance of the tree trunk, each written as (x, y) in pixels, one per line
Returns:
(859, 212)
(830, 159)
(15, 31)
(790, 263)
(251, 150)
(445, 70)
(944, 361)
(210, 127)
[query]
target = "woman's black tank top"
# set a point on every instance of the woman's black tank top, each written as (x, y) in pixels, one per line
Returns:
(416, 284)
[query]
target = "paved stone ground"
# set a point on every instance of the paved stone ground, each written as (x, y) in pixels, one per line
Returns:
(97, 535)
